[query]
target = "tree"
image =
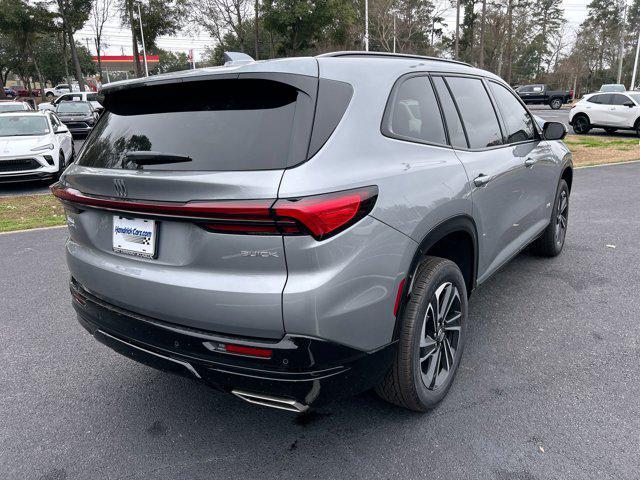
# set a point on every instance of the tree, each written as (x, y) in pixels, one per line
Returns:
(23, 24)
(158, 18)
(74, 14)
(100, 13)
(172, 62)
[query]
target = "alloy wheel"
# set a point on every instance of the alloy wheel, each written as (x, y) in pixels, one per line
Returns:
(440, 336)
(562, 218)
(581, 124)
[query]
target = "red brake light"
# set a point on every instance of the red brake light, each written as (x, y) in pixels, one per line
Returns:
(328, 214)
(319, 215)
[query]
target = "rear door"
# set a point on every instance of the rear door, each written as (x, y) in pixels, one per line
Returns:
(597, 108)
(227, 143)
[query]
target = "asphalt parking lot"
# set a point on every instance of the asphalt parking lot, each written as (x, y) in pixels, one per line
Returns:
(548, 387)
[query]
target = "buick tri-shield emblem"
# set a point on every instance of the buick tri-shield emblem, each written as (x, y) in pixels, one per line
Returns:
(120, 187)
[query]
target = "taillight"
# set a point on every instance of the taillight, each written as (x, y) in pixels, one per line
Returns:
(319, 215)
(327, 214)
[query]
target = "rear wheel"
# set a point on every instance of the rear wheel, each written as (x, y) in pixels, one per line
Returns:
(550, 243)
(611, 131)
(555, 104)
(581, 124)
(431, 338)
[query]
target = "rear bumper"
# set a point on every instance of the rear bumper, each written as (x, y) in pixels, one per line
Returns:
(303, 369)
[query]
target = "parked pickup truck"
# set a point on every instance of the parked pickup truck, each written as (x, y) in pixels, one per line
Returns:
(541, 94)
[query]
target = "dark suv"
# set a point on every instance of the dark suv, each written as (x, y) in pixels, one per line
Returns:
(296, 230)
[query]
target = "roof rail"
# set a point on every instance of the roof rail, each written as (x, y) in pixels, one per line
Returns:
(357, 53)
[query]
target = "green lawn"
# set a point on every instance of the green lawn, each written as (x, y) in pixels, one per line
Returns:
(30, 211)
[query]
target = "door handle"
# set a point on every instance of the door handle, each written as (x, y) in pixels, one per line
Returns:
(530, 162)
(481, 180)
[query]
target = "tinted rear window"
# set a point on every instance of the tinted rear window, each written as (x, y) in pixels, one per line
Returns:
(477, 112)
(249, 124)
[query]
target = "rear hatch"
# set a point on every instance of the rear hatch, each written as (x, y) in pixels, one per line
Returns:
(166, 202)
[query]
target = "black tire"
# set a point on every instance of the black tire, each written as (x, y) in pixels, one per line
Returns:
(555, 103)
(422, 334)
(62, 164)
(581, 124)
(611, 131)
(551, 242)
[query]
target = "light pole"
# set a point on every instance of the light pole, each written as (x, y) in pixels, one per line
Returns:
(144, 50)
(635, 64)
(366, 25)
(394, 33)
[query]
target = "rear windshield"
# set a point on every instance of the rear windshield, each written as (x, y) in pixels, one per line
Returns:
(248, 124)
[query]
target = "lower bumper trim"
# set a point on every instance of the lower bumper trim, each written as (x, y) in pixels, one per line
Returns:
(118, 345)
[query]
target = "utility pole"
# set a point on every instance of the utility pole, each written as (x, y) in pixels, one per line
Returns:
(394, 32)
(635, 64)
(456, 49)
(621, 46)
(144, 49)
(482, 27)
(366, 25)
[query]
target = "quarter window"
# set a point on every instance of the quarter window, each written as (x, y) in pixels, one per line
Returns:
(478, 115)
(518, 122)
(414, 113)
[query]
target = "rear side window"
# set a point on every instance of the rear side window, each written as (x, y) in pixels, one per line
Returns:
(601, 99)
(454, 125)
(477, 112)
(518, 122)
(222, 125)
(413, 113)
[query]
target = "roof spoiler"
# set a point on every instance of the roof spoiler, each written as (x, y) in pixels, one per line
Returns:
(236, 58)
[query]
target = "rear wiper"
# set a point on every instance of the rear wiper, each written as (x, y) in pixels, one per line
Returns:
(141, 158)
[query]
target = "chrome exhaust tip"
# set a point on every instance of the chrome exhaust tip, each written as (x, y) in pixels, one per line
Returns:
(269, 401)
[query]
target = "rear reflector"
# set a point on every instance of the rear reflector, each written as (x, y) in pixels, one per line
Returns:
(319, 215)
(396, 307)
(248, 351)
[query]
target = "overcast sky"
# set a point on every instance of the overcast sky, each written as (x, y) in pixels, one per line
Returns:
(118, 40)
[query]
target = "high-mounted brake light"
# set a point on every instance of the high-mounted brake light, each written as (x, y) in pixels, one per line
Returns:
(319, 215)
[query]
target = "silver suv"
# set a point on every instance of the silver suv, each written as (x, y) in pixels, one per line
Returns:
(296, 230)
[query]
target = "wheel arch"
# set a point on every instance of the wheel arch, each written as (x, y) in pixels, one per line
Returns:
(455, 239)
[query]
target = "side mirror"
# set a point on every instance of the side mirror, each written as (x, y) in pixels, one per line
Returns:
(554, 131)
(62, 129)
(629, 104)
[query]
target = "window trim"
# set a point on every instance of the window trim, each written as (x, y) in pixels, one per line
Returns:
(386, 131)
(536, 133)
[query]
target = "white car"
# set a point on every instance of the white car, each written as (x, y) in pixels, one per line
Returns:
(33, 146)
(611, 111)
(60, 89)
(91, 97)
